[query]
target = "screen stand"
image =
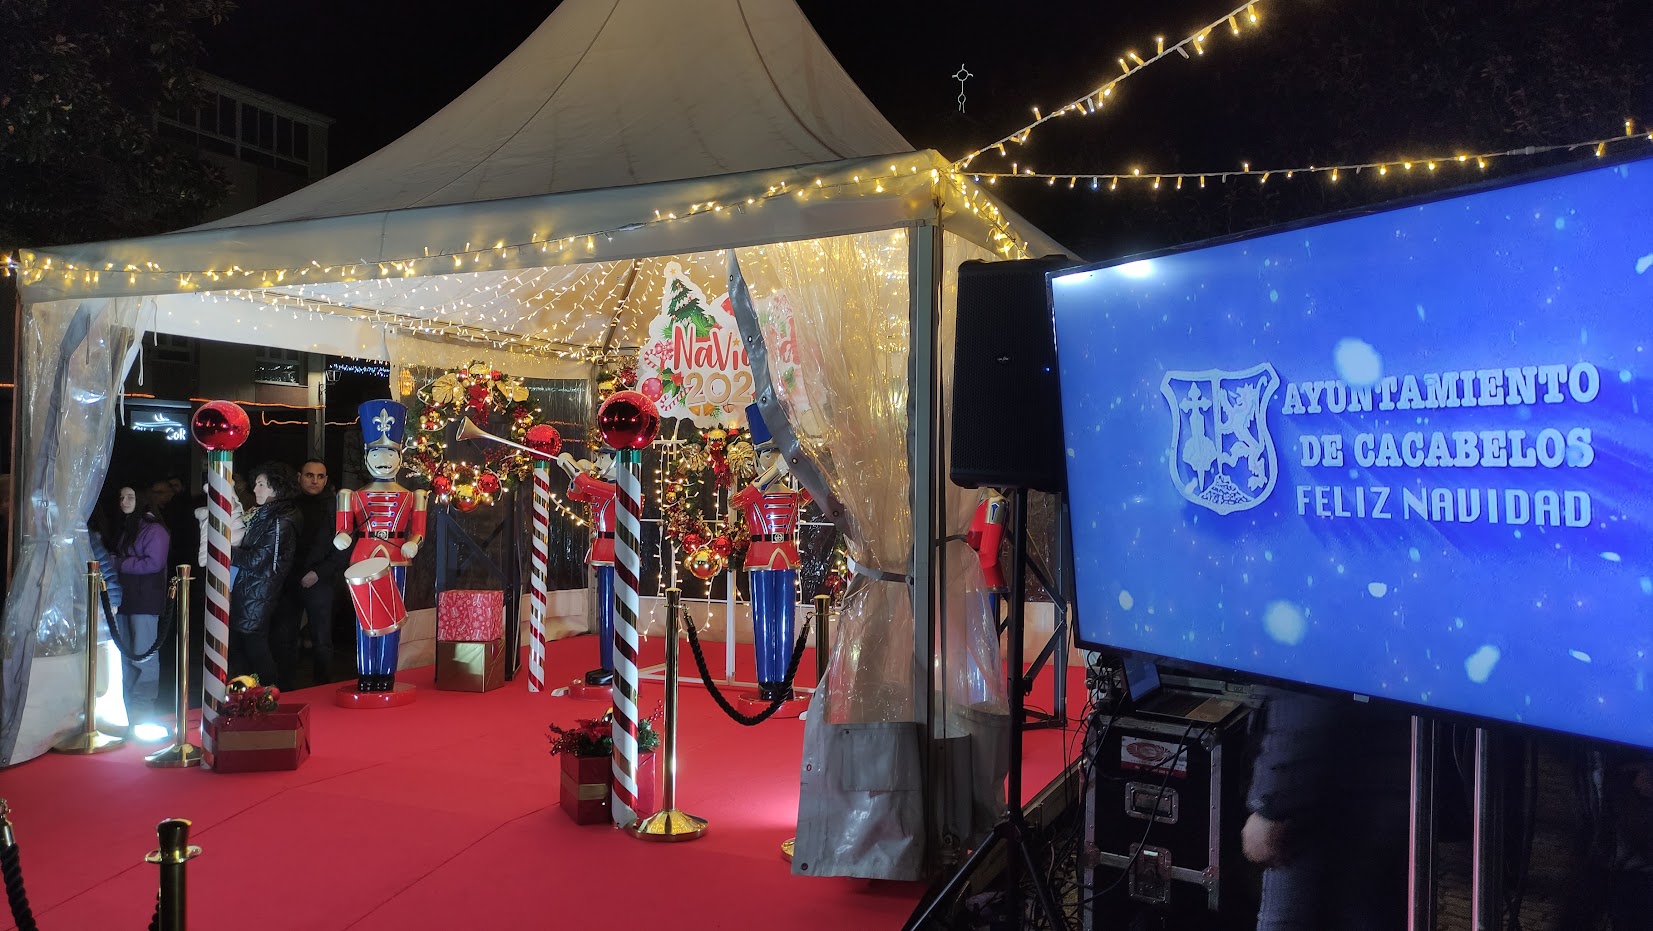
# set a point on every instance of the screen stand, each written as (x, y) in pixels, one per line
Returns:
(1020, 864)
(1486, 868)
(1420, 862)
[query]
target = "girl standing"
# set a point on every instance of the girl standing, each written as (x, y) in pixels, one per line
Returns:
(140, 555)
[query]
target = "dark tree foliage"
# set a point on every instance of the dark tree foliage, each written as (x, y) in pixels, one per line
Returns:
(80, 83)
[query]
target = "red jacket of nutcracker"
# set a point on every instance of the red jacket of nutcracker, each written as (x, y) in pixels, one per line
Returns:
(772, 517)
(600, 495)
(986, 529)
(387, 515)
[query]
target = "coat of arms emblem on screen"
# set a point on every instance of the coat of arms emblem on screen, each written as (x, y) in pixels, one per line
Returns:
(1222, 456)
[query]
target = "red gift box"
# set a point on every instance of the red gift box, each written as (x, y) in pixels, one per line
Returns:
(472, 616)
(277, 740)
(587, 784)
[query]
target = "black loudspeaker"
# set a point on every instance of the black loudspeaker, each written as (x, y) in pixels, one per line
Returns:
(1007, 402)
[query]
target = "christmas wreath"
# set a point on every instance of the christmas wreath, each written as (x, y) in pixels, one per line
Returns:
(497, 404)
(721, 459)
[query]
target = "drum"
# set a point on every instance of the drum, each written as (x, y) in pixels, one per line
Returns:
(379, 607)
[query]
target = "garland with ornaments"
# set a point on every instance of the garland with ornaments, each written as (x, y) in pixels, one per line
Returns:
(485, 395)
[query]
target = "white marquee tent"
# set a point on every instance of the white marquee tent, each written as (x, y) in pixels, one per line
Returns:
(531, 220)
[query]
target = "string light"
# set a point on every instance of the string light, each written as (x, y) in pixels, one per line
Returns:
(1097, 99)
(1334, 173)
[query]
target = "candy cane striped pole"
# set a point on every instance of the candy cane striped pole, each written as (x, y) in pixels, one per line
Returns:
(216, 649)
(627, 567)
(536, 576)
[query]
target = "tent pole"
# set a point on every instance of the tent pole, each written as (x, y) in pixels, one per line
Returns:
(923, 449)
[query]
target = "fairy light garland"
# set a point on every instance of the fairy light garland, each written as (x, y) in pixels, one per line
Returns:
(567, 249)
(1129, 64)
(1154, 180)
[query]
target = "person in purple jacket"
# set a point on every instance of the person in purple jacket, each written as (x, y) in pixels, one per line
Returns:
(140, 551)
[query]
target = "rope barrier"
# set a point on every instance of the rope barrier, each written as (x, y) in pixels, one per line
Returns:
(163, 627)
(12, 867)
(747, 720)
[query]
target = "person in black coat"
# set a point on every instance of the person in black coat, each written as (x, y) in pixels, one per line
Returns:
(263, 562)
(313, 585)
(1329, 801)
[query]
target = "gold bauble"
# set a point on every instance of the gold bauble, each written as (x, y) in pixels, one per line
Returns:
(240, 684)
(692, 458)
(704, 564)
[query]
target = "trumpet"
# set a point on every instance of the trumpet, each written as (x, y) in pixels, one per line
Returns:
(468, 430)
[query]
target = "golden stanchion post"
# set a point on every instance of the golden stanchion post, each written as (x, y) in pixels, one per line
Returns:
(90, 739)
(823, 612)
(181, 753)
(669, 824)
(172, 855)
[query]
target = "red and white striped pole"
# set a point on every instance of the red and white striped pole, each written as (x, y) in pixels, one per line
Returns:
(220, 427)
(628, 422)
(536, 576)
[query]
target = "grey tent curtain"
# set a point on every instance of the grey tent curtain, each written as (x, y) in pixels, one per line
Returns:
(75, 355)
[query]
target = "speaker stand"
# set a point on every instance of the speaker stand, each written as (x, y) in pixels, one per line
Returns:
(1012, 828)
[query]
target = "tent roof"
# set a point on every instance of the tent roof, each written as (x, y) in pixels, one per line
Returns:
(610, 93)
(595, 146)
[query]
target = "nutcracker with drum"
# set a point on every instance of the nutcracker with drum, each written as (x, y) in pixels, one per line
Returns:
(593, 484)
(387, 523)
(771, 508)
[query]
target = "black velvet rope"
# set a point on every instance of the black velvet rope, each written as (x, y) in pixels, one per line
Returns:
(155, 919)
(163, 628)
(16, 896)
(749, 720)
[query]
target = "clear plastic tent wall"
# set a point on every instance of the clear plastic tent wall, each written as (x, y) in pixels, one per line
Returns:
(74, 360)
(845, 303)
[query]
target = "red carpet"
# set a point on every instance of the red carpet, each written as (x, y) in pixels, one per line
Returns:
(444, 815)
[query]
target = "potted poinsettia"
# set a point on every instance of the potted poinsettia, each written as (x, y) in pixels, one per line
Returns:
(586, 750)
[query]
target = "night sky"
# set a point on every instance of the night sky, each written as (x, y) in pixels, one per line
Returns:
(1317, 82)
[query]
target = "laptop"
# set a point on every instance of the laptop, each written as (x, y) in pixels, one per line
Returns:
(1150, 699)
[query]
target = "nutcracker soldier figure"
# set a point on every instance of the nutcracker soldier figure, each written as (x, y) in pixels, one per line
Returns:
(771, 509)
(593, 484)
(986, 530)
(391, 522)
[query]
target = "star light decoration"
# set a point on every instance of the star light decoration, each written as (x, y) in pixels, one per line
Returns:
(483, 394)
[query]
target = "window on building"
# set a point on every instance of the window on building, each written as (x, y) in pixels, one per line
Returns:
(280, 367)
(171, 349)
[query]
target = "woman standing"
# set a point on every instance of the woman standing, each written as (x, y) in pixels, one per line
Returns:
(262, 563)
(140, 553)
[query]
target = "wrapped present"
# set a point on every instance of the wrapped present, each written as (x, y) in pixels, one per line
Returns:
(587, 785)
(276, 740)
(473, 616)
(470, 667)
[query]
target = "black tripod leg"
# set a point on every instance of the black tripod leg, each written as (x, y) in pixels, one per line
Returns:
(948, 892)
(1041, 891)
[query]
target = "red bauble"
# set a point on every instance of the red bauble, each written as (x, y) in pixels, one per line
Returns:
(543, 438)
(652, 388)
(442, 485)
(495, 375)
(628, 420)
(488, 483)
(628, 377)
(722, 545)
(693, 541)
(478, 394)
(221, 425)
(833, 583)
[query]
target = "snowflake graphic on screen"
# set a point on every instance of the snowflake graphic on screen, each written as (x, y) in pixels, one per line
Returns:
(1222, 456)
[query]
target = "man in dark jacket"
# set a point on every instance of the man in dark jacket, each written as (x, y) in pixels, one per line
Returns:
(313, 584)
(1329, 801)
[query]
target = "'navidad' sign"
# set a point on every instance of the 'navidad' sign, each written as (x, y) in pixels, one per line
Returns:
(694, 365)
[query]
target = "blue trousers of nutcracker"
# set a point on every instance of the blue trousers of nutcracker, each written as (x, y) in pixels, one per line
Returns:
(605, 627)
(376, 656)
(773, 605)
